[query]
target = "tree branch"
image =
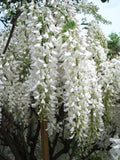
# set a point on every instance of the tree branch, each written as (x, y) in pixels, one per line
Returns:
(11, 143)
(36, 137)
(96, 148)
(58, 154)
(73, 152)
(13, 138)
(30, 128)
(66, 148)
(14, 20)
(3, 22)
(9, 39)
(54, 143)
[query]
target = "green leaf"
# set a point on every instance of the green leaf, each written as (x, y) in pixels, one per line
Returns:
(64, 38)
(69, 25)
(29, 149)
(39, 19)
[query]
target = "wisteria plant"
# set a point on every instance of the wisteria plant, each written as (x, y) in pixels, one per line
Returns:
(55, 79)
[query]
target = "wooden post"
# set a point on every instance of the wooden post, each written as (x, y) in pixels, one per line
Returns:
(44, 140)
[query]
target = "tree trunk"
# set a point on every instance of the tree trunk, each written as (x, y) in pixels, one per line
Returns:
(44, 140)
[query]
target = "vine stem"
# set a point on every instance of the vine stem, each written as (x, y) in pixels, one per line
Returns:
(14, 20)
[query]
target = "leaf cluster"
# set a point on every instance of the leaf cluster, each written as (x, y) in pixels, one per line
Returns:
(69, 25)
(113, 45)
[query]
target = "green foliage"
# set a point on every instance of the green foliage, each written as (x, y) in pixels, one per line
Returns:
(29, 149)
(69, 25)
(64, 38)
(113, 45)
(92, 9)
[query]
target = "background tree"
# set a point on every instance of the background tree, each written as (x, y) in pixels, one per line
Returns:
(113, 45)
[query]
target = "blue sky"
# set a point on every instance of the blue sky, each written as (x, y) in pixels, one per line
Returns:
(110, 11)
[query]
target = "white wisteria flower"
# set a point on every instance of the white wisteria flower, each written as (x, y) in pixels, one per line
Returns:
(52, 68)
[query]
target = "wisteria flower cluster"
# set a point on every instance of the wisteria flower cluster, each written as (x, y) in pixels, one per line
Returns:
(53, 68)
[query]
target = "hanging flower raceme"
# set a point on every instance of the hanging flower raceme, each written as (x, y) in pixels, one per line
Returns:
(51, 67)
(109, 78)
(97, 43)
(49, 63)
(13, 91)
(61, 73)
